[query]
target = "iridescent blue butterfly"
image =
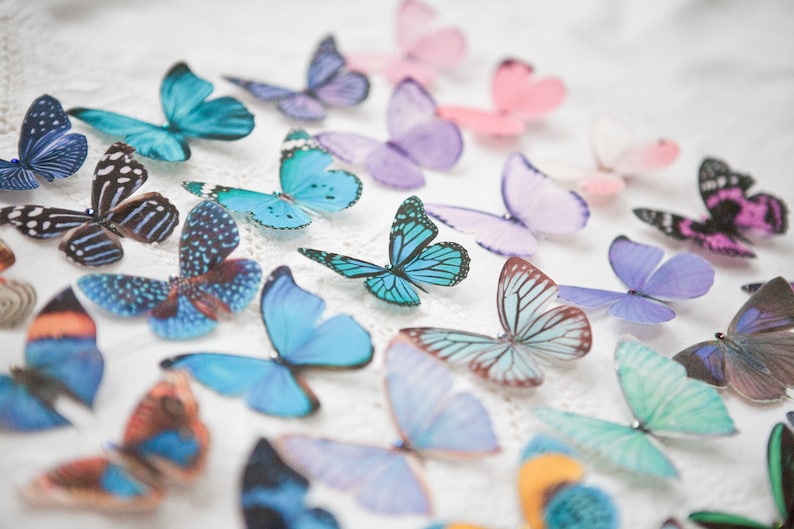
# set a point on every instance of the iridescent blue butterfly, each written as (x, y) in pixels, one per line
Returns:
(62, 360)
(188, 113)
(209, 284)
(307, 187)
(46, 148)
(274, 385)
(412, 260)
(273, 495)
(330, 84)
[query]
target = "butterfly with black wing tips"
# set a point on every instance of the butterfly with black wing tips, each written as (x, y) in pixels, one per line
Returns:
(92, 236)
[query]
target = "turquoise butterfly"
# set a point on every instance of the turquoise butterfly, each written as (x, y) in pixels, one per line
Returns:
(663, 401)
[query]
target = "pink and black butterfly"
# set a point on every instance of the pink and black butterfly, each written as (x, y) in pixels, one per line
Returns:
(732, 213)
(91, 237)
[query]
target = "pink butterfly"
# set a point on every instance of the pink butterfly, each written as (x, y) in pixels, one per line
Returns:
(518, 96)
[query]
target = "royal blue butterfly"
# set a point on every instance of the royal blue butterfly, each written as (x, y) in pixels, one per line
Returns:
(412, 260)
(209, 284)
(61, 358)
(188, 114)
(273, 385)
(46, 149)
(307, 187)
(330, 84)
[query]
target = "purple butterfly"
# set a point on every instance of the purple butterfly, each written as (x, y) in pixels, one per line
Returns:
(417, 139)
(683, 276)
(731, 213)
(535, 206)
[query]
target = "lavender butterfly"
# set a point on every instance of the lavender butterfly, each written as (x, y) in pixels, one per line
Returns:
(683, 276)
(535, 206)
(417, 139)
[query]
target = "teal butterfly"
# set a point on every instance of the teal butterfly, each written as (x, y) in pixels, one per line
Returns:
(413, 259)
(188, 114)
(663, 400)
(306, 187)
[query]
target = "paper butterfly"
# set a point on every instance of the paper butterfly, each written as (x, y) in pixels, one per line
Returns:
(431, 420)
(731, 213)
(518, 97)
(92, 236)
(756, 354)
(417, 139)
(329, 84)
(683, 276)
(208, 285)
(46, 149)
(292, 320)
(424, 48)
(17, 298)
(780, 464)
(307, 187)
(752, 287)
(663, 400)
(188, 114)
(62, 360)
(535, 205)
(561, 333)
(273, 495)
(412, 259)
(164, 441)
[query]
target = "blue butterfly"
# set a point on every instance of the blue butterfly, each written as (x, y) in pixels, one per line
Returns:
(188, 114)
(273, 495)
(45, 148)
(306, 187)
(62, 359)
(330, 84)
(273, 385)
(412, 260)
(209, 284)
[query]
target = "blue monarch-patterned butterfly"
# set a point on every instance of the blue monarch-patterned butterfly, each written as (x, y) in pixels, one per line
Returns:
(92, 236)
(412, 261)
(61, 359)
(188, 114)
(329, 84)
(562, 333)
(307, 187)
(46, 148)
(208, 285)
(274, 385)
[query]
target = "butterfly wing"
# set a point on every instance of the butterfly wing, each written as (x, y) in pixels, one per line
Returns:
(124, 295)
(442, 48)
(617, 152)
(718, 520)
(515, 92)
(41, 222)
(17, 298)
(579, 504)
(487, 122)
(343, 265)
(330, 81)
(208, 237)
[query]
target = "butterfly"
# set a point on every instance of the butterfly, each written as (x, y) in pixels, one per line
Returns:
(17, 298)
(417, 139)
(518, 97)
(752, 287)
(306, 187)
(431, 420)
(273, 495)
(683, 276)
(292, 320)
(423, 48)
(412, 261)
(731, 213)
(780, 464)
(164, 441)
(46, 148)
(62, 360)
(208, 285)
(188, 114)
(756, 354)
(663, 400)
(92, 236)
(535, 206)
(562, 333)
(330, 84)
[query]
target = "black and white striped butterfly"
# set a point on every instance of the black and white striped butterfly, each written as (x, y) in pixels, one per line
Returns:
(92, 236)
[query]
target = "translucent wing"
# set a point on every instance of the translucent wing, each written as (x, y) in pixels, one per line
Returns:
(581, 506)
(329, 80)
(393, 289)
(41, 222)
(442, 47)
(411, 232)
(124, 295)
(393, 168)
(343, 265)
(770, 309)
(348, 147)
(515, 90)
(17, 298)
(483, 121)
(116, 177)
(445, 264)
(208, 237)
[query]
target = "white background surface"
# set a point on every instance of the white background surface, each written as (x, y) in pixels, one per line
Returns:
(718, 77)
